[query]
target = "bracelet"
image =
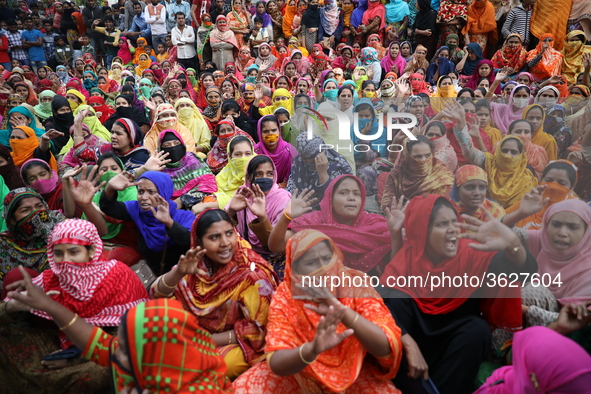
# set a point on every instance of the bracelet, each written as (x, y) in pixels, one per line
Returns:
(70, 323)
(230, 337)
(164, 283)
(287, 216)
(302, 356)
(354, 320)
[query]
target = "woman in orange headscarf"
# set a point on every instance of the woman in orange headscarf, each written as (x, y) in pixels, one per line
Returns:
(290, 12)
(355, 347)
(482, 24)
(24, 144)
(544, 61)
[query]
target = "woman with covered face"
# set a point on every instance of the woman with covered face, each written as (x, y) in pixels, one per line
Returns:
(167, 118)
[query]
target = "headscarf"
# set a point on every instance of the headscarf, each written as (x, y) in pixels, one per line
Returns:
(291, 324)
(61, 122)
(105, 110)
(469, 173)
(551, 59)
(544, 361)
(504, 114)
(26, 240)
(222, 34)
(135, 138)
(43, 110)
(357, 15)
(96, 128)
(89, 83)
(98, 291)
(418, 86)
(231, 177)
(193, 120)
(152, 230)
(444, 67)
(311, 17)
(396, 11)
(85, 152)
(213, 113)
(287, 104)
(510, 57)
(32, 97)
(329, 16)
(151, 139)
(444, 151)
(482, 20)
(127, 113)
(217, 158)
(62, 73)
(283, 154)
(387, 62)
(539, 137)
(9, 172)
(573, 52)
(502, 307)
(442, 95)
(24, 149)
(470, 65)
(509, 177)
(375, 9)
(368, 56)
(473, 81)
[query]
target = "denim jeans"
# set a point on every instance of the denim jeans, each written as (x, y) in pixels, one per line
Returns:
(159, 39)
(37, 65)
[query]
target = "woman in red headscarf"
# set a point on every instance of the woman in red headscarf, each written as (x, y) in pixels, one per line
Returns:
(103, 112)
(375, 17)
(451, 324)
(544, 61)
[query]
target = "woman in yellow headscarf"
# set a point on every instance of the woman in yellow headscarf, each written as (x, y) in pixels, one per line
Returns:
(143, 64)
(95, 125)
(445, 92)
(573, 51)
(281, 98)
(191, 118)
(536, 115)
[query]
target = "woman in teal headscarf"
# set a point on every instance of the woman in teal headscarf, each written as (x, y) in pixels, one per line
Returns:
(43, 109)
(90, 80)
(146, 87)
(29, 121)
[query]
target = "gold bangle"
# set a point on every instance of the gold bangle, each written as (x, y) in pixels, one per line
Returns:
(286, 216)
(70, 323)
(302, 356)
(354, 320)
(164, 283)
(230, 337)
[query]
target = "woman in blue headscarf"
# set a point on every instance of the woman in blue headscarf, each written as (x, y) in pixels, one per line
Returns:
(357, 15)
(90, 80)
(471, 58)
(440, 66)
(164, 232)
(15, 115)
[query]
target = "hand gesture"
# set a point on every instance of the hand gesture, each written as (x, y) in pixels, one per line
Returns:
(326, 332)
(501, 76)
(265, 65)
(81, 115)
(573, 317)
(370, 73)
(492, 235)
(533, 201)
(15, 122)
(238, 201)
(395, 214)
(87, 187)
(189, 262)
(474, 127)
(455, 111)
(72, 172)
(258, 204)
(157, 161)
(366, 129)
(122, 182)
(162, 210)
(402, 86)
(321, 162)
(25, 292)
(96, 22)
(301, 203)
(149, 104)
(258, 93)
(587, 60)
(51, 134)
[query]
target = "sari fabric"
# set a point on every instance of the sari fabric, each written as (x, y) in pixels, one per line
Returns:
(387, 62)
(192, 364)
(444, 151)
(504, 114)
(499, 308)
(371, 241)
(551, 16)
(509, 177)
(291, 324)
(235, 297)
(410, 178)
(283, 154)
(541, 138)
(482, 20)
(551, 59)
(231, 177)
(470, 173)
(572, 62)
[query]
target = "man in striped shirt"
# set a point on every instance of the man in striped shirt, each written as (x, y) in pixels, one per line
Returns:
(519, 20)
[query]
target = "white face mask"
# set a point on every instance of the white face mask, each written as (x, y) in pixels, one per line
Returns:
(520, 102)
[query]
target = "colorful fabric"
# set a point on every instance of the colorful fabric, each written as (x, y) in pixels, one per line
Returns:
(192, 119)
(509, 179)
(504, 114)
(410, 178)
(189, 173)
(282, 155)
(369, 245)
(231, 177)
(510, 57)
(469, 173)
(5, 134)
(23, 149)
(192, 364)
(573, 52)
(291, 324)
(387, 62)
(217, 158)
(539, 137)
(551, 16)
(482, 20)
(551, 59)
(444, 151)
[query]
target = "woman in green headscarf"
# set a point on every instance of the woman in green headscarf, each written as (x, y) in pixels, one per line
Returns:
(455, 54)
(93, 123)
(146, 87)
(203, 38)
(43, 109)
(15, 113)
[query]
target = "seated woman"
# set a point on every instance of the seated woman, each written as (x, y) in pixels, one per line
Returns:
(84, 147)
(123, 109)
(258, 206)
(126, 139)
(134, 355)
(313, 169)
(26, 146)
(167, 118)
(225, 131)
(218, 281)
(271, 144)
(448, 330)
(417, 173)
(163, 230)
(29, 222)
(191, 178)
(190, 117)
(509, 177)
(61, 120)
(241, 120)
(19, 116)
(536, 115)
(436, 132)
(100, 292)
(94, 124)
(537, 157)
(346, 343)
(281, 98)
(364, 238)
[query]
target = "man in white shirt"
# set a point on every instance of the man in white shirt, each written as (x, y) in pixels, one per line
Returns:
(155, 15)
(183, 37)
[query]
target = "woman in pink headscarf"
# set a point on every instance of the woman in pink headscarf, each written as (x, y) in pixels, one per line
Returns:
(393, 58)
(543, 362)
(272, 144)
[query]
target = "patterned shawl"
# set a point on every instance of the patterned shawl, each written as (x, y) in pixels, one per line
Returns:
(444, 151)
(510, 57)
(551, 59)
(541, 138)
(217, 158)
(470, 173)
(572, 62)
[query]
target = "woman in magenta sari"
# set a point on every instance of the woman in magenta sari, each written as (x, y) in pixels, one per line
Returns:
(271, 144)
(393, 58)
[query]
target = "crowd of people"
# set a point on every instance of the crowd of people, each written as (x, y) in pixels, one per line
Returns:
(171, 172)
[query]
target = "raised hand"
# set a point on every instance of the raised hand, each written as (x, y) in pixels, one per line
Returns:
(501, 76)
(162, 210)
(402, 86)
(265, 65)
(157, 161)
(492, 235)
(258, 204)
(121, 182)
(395, 214)
(238, 201)
(572, 318)
(474, 127)
(189, 262)
(81, 115)
(321, 162)
(326, 332)
(533, 201)
(15, 122)
(258, 93)
(87, 187)
(29, 294)
(149, 104)
(51, 134)
(301, 203)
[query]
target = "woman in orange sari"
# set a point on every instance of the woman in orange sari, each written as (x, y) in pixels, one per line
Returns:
(482, 24)
(544, 61)
(239, 21)
(343, 340)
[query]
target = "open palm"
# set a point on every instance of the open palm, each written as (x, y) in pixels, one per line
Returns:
(87, 187)
(492, 235)
(326, 332)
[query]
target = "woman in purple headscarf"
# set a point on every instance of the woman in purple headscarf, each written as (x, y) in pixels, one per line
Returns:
(272, 144)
